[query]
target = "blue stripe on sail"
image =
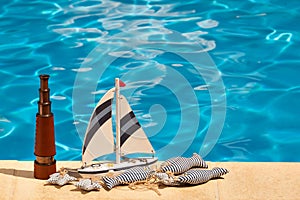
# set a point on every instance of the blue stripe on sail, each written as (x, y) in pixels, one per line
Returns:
(129, 125)
(100, 116)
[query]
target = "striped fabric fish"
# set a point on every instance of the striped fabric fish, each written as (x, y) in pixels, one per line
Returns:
(88, 185)
(198, 176)
(192, 176)
(180, 165)
(129, 176)
(59, 179)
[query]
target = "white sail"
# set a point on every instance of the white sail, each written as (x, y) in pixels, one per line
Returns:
(133, 138)
(99, 139)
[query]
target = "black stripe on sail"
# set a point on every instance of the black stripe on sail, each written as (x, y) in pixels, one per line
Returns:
(127, 118)
(101, 107)
(103, 115)
(129, 125)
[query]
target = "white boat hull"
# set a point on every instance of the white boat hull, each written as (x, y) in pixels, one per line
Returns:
(109, 166)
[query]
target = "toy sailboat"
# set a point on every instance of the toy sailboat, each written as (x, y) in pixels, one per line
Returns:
(99, 139)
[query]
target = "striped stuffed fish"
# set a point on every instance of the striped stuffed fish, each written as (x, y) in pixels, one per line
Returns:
(192, 176)
(198, 176)
(179, 165)
(88, 185)
(129, 176)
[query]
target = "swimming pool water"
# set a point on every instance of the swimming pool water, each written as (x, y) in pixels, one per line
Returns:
(216, 77)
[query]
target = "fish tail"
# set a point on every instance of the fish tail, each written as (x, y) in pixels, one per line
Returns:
(110, 182)
(217, 172)
(198, 161)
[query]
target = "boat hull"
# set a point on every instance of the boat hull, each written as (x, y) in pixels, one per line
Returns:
(109, 166)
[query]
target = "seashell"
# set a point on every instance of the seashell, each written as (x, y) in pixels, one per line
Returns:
(59, 179)
(88, 185)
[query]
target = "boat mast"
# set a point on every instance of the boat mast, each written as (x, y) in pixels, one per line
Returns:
(118, 150)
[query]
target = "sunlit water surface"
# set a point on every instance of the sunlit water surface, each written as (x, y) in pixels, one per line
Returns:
(254, 46)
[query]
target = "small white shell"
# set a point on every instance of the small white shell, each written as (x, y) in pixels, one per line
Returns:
(166, 179)
(88, 185)
(58, 179)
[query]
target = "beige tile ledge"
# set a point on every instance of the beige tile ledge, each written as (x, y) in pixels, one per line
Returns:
(245, 181)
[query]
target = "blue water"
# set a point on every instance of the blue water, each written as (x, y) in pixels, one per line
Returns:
(220, 78)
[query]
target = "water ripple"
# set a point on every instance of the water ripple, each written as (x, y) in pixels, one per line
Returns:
(209, 23)
(7, 127)
(254, 44)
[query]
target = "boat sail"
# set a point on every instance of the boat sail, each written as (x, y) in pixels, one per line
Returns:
(99, 140)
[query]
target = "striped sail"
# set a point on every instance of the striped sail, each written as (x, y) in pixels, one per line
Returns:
(133, 138)
(99, 139)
